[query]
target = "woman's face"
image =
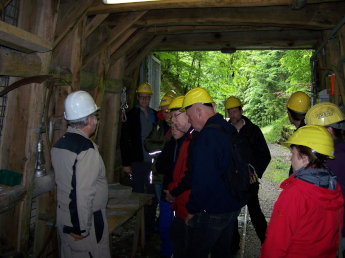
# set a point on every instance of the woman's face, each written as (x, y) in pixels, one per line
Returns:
(176, 133)
(298, 161)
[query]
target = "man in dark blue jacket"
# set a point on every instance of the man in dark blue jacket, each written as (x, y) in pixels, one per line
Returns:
(211, 210)
(136, 161)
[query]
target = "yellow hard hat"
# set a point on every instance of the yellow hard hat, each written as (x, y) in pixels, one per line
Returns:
(166, 100)
(144, 88)
(315, 137)
(233, 102)
(325, 113)
(171, 93)
(176, 103)
(299, 102)
(196, 95)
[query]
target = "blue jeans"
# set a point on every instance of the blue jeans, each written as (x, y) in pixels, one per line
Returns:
(159, 189)
(211, 232)
(165, 217)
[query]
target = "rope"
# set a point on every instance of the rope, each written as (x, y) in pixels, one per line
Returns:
(124, 105)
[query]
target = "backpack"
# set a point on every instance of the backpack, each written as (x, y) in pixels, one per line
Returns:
(240, 179)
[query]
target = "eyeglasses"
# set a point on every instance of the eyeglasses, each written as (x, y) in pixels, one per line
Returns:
(144, 97)
(176, 115)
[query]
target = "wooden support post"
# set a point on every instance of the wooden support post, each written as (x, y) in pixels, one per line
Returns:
(108, 130)
(23, 116)
(341, 38)
(77, 53)
(332, 56)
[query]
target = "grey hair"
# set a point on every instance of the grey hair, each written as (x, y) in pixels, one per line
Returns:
(82, 122)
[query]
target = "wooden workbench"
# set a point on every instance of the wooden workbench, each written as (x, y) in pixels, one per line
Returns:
(116, 221)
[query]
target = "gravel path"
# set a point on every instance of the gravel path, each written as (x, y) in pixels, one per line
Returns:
(268, 194)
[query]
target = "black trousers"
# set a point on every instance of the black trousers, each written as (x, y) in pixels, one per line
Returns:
(258, 220)
(140, 182)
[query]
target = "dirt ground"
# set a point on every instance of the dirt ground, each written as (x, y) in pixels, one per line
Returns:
(269, 191)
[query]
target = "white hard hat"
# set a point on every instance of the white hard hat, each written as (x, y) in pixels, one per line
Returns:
(79, 104)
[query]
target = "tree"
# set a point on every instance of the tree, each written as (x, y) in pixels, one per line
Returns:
(259, 78)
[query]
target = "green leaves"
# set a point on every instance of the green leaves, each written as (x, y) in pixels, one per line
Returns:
(263, 80)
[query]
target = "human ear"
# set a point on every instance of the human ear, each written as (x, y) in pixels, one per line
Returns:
(198, 112)
(305, 159)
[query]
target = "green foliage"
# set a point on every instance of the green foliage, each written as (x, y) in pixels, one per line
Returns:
(278, 170)
(297, 63)
(272, 132)
(262, 80)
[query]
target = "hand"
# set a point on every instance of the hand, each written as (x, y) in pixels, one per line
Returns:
(77, 237)
(127, 170)
(188, 217)
(169, 197)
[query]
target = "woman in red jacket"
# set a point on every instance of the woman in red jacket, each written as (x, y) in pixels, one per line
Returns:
(307, 216)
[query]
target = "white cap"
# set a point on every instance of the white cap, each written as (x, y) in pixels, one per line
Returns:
(79, 104)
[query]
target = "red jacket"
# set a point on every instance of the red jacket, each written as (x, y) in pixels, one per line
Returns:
(304, 221)
(179, 206)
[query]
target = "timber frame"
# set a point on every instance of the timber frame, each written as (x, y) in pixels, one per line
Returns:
(85, 44)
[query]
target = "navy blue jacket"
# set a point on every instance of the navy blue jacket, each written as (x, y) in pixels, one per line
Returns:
(211, 157)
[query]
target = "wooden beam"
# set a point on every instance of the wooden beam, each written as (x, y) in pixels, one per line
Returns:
(317, 16)
(125, 47)
(77, 54)
(142, 54)
(98, 7)
(119, 41)
(70, 19)
(88, 80)
(108, 128)
(19, 64)
(257, 40)
(168, 30)
(27, 107)
(135, 48)
(96, 21)
(22, 40)
(11, 196)
(114, 34)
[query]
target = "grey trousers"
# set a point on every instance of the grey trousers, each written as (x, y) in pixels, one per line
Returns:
(94, 245)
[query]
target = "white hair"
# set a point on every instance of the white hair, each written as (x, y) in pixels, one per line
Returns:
(82, 122)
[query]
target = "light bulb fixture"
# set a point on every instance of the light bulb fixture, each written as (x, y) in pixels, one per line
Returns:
(126, 1)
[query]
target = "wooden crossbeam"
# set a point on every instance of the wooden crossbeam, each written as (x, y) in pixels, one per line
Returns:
(166, 30)
(22, 40)
(283, 39)
(142, 54)
(114, 34)
(99, 7)
(70, 19)
(321, 16)
(97, 20)
(125, 47)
